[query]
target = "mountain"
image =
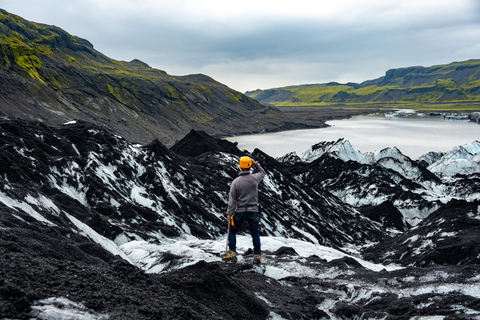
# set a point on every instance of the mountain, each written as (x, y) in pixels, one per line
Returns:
(48, 75)
(455, 82)
(95, 227)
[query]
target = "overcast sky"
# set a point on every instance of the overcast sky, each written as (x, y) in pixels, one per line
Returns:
(262, 44)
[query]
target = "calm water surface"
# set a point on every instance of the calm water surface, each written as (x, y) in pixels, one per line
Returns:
(413, 135)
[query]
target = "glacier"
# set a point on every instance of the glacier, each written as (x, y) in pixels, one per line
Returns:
(92, 227)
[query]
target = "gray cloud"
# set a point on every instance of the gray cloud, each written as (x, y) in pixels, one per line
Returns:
(265, 44)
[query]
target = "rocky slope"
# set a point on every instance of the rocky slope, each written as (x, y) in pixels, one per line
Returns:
(96, 227)
(51, 76)
(456, 82)
(150, 191)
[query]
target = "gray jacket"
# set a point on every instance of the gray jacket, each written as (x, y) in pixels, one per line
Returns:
(244, 190)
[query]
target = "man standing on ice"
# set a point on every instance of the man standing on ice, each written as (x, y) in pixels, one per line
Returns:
(243, 205)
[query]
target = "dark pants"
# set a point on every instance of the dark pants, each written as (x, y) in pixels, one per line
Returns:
(253, 219)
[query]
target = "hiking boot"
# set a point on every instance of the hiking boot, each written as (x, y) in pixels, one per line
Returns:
(231, 256)
(257, 259)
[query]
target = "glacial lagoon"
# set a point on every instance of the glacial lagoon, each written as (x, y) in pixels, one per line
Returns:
(414, 135)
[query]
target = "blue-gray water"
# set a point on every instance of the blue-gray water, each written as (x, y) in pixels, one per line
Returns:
(413, 135)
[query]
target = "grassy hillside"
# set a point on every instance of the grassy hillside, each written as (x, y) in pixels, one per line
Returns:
(48, 75)
(414, 86)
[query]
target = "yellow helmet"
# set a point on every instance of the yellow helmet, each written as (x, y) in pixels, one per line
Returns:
(245, 163)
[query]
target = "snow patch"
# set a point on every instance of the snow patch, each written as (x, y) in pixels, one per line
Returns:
(151, 256)
(341, 149)
(139, 195)
(275, 316)
(25, 207)
(106, 243)
(43, 201)
(63, 309)
(67, 189)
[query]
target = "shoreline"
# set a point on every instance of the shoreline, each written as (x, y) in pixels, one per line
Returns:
(308, 115)
(362, 136)
(321, 115)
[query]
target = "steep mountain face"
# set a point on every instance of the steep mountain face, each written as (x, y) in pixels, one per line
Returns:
(95, 226)
(457, 81)
(51, 76)
(461, 73)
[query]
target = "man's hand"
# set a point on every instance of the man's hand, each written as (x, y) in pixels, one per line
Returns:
(253, 162)
(230, 220)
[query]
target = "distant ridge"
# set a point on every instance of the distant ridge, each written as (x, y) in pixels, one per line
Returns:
(48, 75)
(454, 82)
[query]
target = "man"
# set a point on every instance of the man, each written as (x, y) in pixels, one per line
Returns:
(243, 205)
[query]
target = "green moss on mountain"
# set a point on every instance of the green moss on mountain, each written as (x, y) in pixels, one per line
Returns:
(48, 75)
(234, 96)
(458, 81)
